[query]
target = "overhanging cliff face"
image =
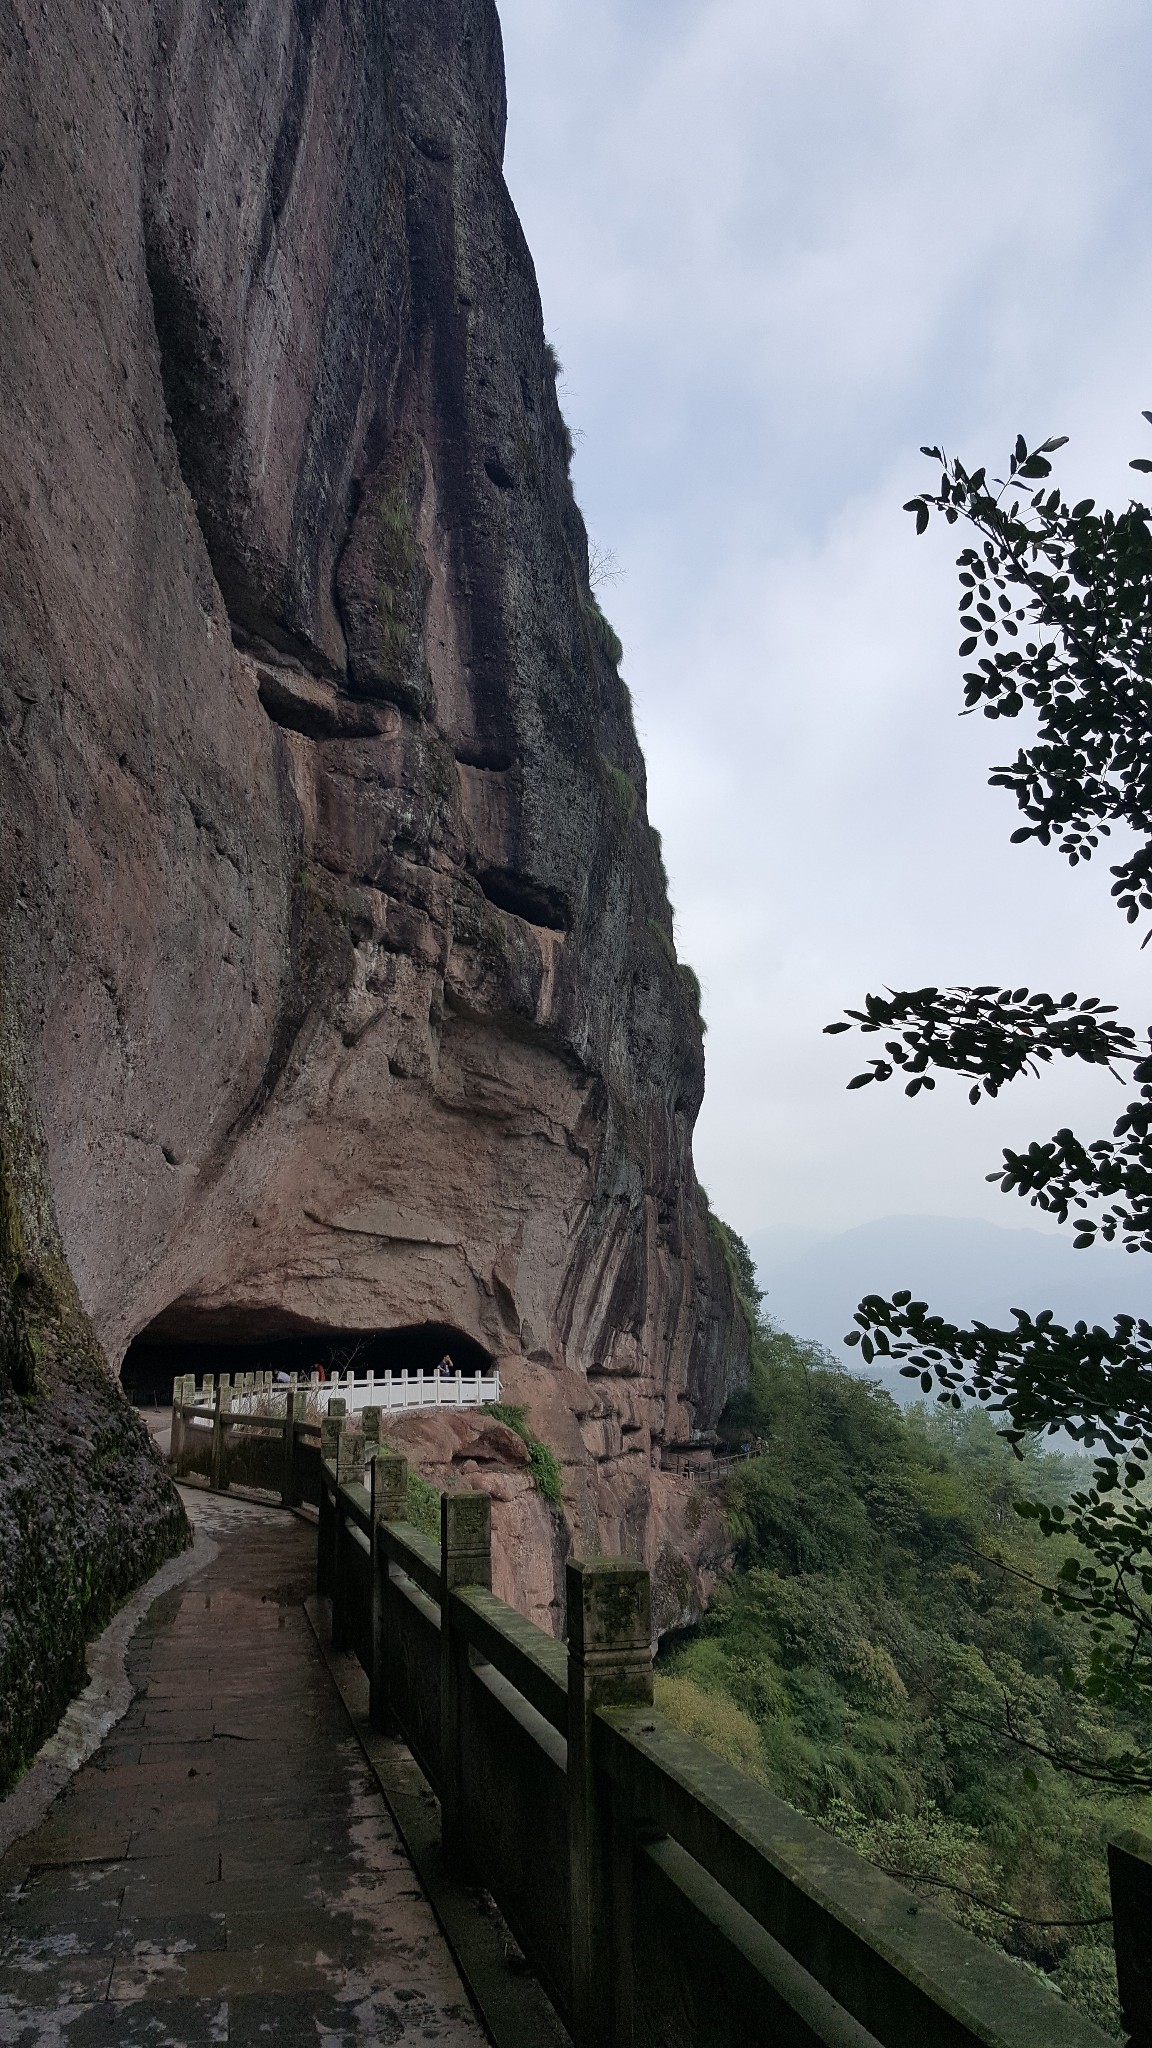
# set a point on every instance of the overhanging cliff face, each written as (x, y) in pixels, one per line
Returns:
(336, 933)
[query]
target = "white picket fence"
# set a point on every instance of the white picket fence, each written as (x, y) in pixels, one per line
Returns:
(260, 1394)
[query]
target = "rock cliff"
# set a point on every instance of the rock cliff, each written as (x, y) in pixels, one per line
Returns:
(335, 938)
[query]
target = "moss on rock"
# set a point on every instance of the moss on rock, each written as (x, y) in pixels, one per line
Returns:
(87, 1511)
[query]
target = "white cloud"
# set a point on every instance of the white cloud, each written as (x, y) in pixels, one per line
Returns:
(778, 248)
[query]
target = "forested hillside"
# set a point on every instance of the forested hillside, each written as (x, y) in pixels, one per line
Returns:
(883, 1657)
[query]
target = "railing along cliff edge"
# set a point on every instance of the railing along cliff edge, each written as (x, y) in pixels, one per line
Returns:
(663, 1899)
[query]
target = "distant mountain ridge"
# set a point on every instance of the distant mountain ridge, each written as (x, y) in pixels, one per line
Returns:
(963, 1267)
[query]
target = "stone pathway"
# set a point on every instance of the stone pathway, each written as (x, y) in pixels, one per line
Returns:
(224, 1868)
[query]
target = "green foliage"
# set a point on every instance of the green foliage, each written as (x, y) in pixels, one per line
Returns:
(713, 1719)
(544, 1465)
(605, 638)
(687, 975)
(740, 1264)
(884, 1634)
(398, 561)
(423, 1506)
(401, 571)
(1059, 598)
(623, 790)
(691, 980)
(937, 1859)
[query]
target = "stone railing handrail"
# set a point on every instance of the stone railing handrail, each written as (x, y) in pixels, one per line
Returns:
(641, 1874)
(262, 1392)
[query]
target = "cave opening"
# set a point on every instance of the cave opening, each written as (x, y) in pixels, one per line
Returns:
(175, 1344)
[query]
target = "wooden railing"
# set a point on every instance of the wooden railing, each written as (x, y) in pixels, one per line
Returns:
(663, 1899)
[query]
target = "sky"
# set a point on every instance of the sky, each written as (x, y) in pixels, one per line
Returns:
(779, 247)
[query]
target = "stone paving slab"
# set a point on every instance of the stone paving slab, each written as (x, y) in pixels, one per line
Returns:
(224, 1868)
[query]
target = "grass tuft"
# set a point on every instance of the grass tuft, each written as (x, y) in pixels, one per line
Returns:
(623, 790)
(544, 1465)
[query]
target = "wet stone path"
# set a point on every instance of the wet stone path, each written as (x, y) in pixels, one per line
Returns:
(224, 1869)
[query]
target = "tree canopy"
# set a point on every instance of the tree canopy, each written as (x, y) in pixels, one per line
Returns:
(882, 1656)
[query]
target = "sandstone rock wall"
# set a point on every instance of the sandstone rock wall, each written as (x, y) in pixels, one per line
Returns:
(335, 930)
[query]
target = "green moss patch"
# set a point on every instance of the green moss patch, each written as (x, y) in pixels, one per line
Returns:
(544, 1465)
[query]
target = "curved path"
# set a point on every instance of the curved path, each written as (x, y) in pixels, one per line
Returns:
(224, 1869)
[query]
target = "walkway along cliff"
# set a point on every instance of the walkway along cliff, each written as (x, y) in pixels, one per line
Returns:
(338, 987)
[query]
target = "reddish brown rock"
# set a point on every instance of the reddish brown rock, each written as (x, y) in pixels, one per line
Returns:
(334, 932)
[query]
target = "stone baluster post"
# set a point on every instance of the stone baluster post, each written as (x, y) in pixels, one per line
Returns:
(223, 1407)
(389, 1477)
(350, 1467)
(609, 1665)
(1130, 1875)
(349, 1472)
(176, 1437)
(465, 1560)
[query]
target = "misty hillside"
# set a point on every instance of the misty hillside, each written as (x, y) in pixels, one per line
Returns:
(962, 1267)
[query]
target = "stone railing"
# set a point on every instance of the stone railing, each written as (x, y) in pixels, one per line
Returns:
(661, 1897)
(261, 1393)
(234, 1446)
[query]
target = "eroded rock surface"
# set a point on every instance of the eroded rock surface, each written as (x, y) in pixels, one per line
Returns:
(333, 926)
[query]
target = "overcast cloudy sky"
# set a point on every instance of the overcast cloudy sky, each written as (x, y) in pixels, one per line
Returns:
(779, 246)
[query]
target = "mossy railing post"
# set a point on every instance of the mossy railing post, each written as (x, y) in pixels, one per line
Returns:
(609, 1665)
(1130, 1875)
(389, 1475)
(330, 1431)
(223, 1407)
(349, 1472)
(465, 1560)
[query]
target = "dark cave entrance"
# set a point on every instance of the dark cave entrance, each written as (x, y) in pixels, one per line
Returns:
(177, 1343)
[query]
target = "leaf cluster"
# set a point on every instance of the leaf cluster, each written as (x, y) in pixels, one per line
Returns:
(1057, 595)
(990, 1035)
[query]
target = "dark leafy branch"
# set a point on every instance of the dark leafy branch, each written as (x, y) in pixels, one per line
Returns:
(1095, 1383)
(1057, 596)
(989, 1035)
(1063, 1176)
